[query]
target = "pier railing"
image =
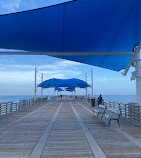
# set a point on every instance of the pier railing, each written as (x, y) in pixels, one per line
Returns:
(8, 107)
(124, 108)
(130, 111)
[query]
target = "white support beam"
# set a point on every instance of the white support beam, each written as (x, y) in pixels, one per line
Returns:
(42, 79)
(92, 81)
(63, 53)
(129, 65)
(86, 82)
(35, 84)
(138, 73)
(54, 91)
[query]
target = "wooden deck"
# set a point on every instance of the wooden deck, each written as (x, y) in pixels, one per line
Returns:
(63, 129)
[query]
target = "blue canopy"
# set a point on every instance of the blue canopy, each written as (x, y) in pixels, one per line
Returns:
(67, 89)
(87, 26)
(63, 83)
(58, 89)
(71, 89)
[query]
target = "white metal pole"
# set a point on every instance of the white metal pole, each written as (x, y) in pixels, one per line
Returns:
(92, 80)
(54, 91)
(35, 88)
(47, 92)
(138, 73)
(42, 78)
(86, 82)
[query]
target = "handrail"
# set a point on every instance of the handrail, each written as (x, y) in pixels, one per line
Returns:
(8, 107)
(130, 111)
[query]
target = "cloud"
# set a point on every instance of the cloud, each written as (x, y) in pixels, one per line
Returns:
(11, 6)
(68, 63)
(16, 77)
(17, 74)
(56, 65)
(23, 77)
(103, 79)
(111, 79)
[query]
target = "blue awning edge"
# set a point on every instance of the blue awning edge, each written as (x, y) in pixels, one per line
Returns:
(77, 26)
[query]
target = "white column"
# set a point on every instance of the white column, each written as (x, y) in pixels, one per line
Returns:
(86, 82)
(42, 78)
(137, 73)
(92, 80)
(35, 87)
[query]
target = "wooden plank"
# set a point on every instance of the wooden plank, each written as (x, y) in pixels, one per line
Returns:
(128, 136)
(22, 118)
(67, 138)
(37, 151)
(97, 151)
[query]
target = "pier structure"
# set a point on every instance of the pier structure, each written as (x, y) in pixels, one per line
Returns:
(70, 87)
(66, 127)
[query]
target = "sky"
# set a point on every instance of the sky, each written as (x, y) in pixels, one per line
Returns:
(17, 72)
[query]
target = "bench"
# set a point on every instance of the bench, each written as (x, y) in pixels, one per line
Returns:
(112, 114)
(100, 110)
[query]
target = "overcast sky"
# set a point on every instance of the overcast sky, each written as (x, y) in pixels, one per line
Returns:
(17, 72)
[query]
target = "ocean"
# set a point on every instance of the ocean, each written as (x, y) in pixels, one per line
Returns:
(116, 98)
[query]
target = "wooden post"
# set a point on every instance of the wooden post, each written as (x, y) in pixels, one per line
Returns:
(119, 107)
(11, 107)
(109, 104)
(16, 107)
(20, 104)
(125, 111)
(0, 109)
(6, 108)
(114, 104)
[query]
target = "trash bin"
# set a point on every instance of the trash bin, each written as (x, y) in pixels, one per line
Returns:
(93, 102)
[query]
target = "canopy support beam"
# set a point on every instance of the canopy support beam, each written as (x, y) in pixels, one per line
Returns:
(137, 73)
(128, 66)
(86, 82)
(92, 80)
(35, 84)
(6, 52)
(42, 78)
